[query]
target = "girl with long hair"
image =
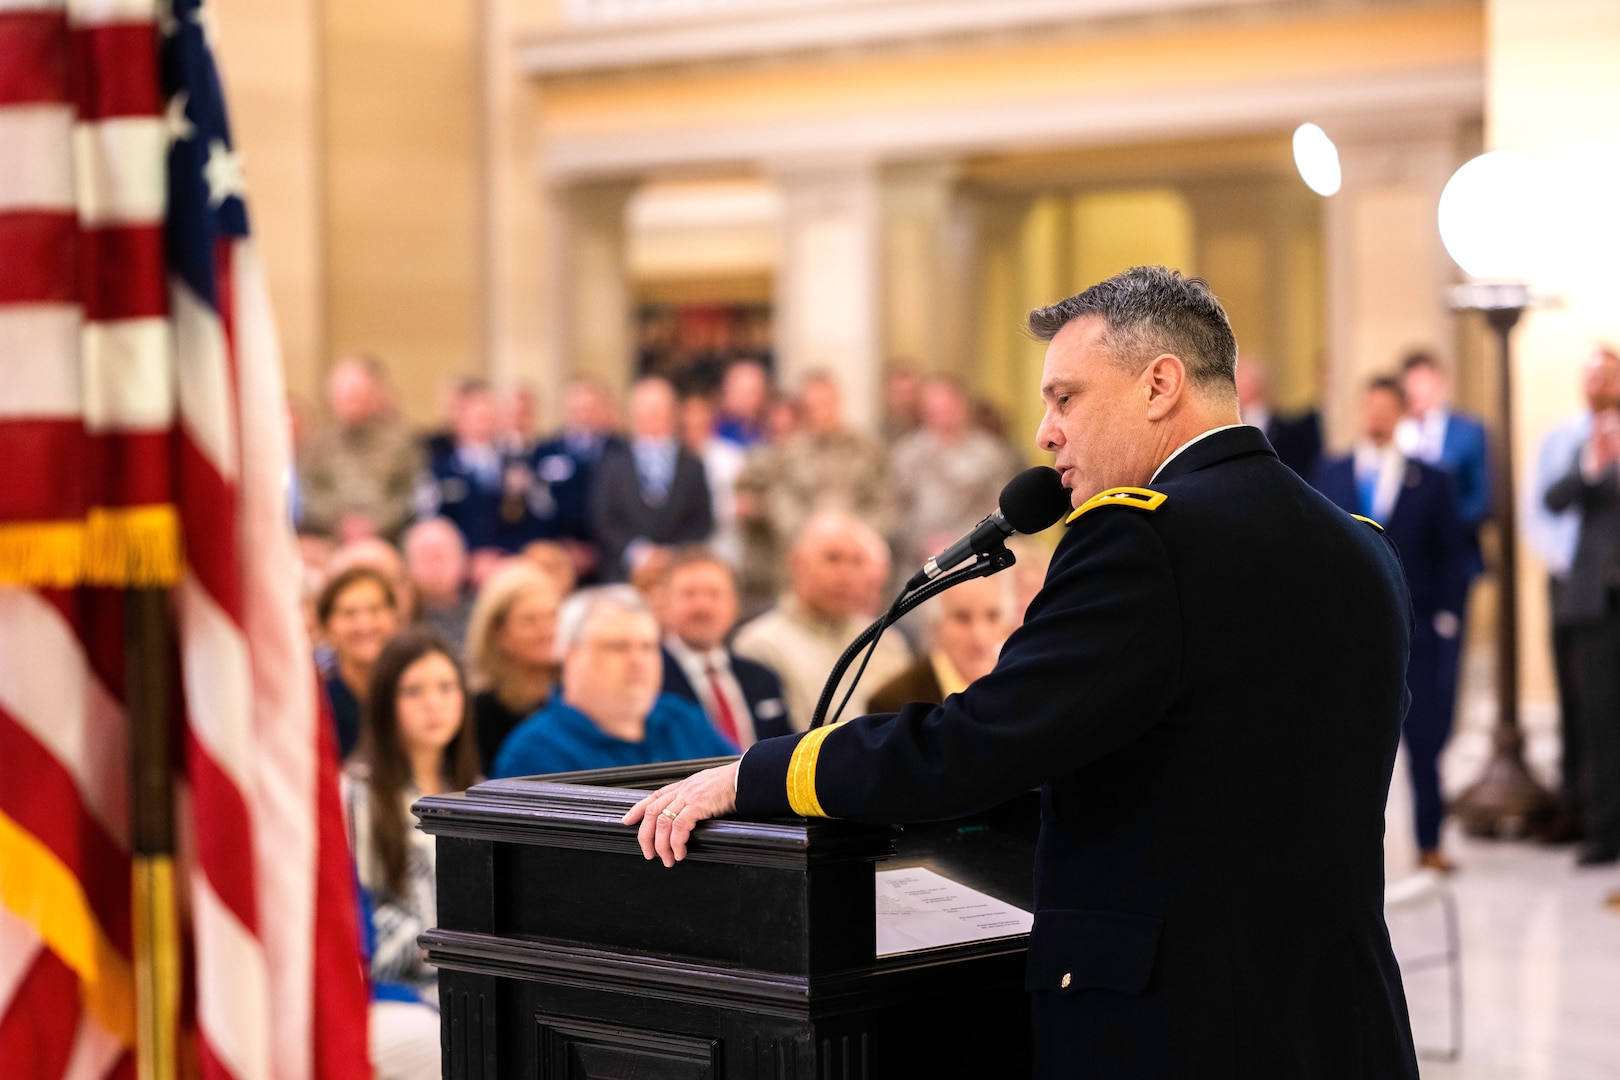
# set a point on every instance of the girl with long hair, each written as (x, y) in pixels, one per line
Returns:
(416, 739)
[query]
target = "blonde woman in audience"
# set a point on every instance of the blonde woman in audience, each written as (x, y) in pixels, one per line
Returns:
(511, 645)
(416, 741)
(357, 615)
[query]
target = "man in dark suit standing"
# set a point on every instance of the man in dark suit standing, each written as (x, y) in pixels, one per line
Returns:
(1588, 608)
(1414, 504)
(1452, 442)
(697, 606)
(1208, 691)
(651, 493)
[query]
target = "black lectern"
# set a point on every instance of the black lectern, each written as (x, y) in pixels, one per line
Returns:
(562, 953)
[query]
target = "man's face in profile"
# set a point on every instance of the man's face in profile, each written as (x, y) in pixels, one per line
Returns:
(1096, 414)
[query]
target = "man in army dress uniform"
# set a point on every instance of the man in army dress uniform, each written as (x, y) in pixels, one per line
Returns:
(1208, 692)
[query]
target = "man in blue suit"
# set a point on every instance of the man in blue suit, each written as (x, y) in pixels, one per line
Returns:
(742, 698)
(1452, 442)
(1415, 505)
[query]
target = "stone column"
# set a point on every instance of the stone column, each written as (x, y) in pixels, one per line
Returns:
(926, 267)
(590, 298)
(827, 308)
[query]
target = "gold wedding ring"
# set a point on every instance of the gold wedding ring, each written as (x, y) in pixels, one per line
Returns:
(671, 814)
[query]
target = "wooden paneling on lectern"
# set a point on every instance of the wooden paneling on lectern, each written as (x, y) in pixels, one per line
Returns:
(562, 953)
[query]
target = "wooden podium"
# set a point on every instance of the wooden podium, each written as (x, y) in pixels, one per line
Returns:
(563, 954)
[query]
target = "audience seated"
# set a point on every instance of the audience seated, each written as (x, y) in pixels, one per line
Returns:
(831, 570)
(553, 560)
(651, 493)
(567, 461)
(697, 607)
(722, 463)
(947, 475)
(484, 492)
(611, 711)
(357, 472)
(970, 622)
(511, 646)
(902, 401)
(357, 617)
(436, 560)
(416, 742)
(822, 466)
(744, 397)
(383, 557)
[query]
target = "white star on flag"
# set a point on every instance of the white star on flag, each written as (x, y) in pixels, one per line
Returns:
(175, 120)
(203, 17)
(223, 173)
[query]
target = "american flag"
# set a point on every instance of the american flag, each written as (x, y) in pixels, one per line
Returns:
(143, 439)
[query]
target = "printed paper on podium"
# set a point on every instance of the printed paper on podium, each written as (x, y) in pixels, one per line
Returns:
(919, 909)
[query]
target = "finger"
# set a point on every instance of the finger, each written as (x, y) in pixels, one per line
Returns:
(680, 831)
(666, 825)
(638, 811)
(644, 835)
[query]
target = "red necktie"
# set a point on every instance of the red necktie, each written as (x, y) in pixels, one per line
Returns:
(723, 719)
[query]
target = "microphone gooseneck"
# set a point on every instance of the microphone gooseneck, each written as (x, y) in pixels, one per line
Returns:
(1031, 501)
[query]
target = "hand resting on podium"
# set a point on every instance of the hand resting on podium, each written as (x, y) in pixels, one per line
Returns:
(668, 815)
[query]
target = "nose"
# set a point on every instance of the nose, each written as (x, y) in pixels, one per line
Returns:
(1047, 436)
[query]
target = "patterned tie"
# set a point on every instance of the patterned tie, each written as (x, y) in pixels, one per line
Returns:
(723, 719)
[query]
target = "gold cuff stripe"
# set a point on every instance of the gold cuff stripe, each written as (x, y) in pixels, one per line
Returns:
(1141, 498)
(801, 777)
(1369, 521)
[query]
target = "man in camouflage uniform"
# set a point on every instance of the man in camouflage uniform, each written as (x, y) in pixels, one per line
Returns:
(357, 473)
(822, 466)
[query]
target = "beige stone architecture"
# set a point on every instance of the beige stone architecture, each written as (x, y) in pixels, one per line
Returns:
(494, 186)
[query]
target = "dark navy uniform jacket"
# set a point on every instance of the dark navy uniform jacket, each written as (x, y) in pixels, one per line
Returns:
(492, 511)
(564, 468)
(1208, 695)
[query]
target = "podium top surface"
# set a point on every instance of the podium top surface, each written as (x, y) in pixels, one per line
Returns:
(584, 810)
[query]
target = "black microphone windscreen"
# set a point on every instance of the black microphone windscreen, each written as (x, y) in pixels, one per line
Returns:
(1034, 499)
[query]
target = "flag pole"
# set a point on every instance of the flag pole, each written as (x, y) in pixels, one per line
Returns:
(148, 652)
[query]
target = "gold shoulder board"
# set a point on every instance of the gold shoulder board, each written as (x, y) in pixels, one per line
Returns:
(1369, 521)
(1141, 498)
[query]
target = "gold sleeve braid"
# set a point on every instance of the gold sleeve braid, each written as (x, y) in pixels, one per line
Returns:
(801, 776)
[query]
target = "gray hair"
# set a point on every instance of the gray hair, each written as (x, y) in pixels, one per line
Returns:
(578, 610)
(1150, 311)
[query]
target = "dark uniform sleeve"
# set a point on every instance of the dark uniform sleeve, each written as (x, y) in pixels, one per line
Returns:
(1093, 668)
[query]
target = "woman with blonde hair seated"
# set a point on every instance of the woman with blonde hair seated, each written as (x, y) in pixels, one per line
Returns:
(511, 647)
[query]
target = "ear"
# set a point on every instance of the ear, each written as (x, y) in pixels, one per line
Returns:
(1165, 380)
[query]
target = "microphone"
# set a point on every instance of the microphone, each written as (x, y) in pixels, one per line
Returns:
(1031, 501)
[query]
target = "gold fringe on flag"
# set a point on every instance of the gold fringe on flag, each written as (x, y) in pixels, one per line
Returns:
(125, 548)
